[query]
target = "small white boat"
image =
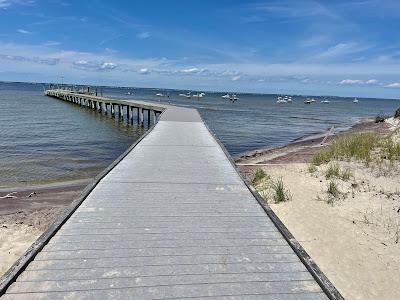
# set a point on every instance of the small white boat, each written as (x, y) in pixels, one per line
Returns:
(281, 100)
(226, 96)
(355, 100)
(160, 95)
(326, 101)
(289, 99)
(198, 95)
(312, 100)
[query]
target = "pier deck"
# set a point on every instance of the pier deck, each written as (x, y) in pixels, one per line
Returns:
(173, 219)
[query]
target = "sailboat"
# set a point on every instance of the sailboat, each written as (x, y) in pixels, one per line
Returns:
(355, 100)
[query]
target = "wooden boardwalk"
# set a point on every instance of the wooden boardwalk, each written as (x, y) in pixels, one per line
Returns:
(172, 220)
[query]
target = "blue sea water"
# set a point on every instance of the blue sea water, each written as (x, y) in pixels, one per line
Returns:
(44, 140)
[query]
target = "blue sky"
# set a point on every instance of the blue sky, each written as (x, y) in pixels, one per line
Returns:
(314, 47)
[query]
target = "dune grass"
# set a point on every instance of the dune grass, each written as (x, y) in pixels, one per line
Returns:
(333, 192)
(280, 193)
(334, 171)
(362, 147)
(259, 175)
(312, 168)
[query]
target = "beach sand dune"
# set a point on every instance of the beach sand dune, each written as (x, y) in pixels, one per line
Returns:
(355, 239)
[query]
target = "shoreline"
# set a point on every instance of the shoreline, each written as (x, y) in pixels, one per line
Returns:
(306, 146)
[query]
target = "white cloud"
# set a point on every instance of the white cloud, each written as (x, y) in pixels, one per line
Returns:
(23, 31)
(358, 82)
(143, 35)
(8, 3)
(190, 71)
(394, 85)
(51, 43)
(371, 82)
(108, 66)
(94, 65)
(351, 82)
(341, 49)
(236, 78)
(295, 9)
(144, 71)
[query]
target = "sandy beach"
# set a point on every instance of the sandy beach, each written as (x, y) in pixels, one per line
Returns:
(26, 216)
(354, 238)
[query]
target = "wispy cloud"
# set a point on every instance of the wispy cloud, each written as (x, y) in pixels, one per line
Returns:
(236, 78)
(294, 9)
(23, 31)
(372, 82)
(143, 35)
(351, 82)
(144, 71)
(51, 43)
(341, 50)
(313, 41)
(359, 82)
(8, 3)
(37, 60)
(394, 85)
(190, 71)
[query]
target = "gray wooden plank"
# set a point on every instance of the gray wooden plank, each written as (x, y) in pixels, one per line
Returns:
(154, 281)
(126, 271)
(200, 290)
(109, 262)
(53, 255)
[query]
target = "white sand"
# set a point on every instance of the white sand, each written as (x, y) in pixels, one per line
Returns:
(353, 241)
(15, 239)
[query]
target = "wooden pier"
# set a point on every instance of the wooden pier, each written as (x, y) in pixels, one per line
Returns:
(123, 109)
(170, 219)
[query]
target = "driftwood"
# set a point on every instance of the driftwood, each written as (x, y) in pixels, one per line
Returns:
(10, 195)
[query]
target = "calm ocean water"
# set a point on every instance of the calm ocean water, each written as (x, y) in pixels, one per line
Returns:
(44, 140)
